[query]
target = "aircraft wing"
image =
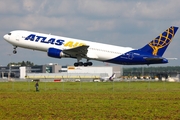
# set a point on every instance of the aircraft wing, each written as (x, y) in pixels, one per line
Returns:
(80, 51)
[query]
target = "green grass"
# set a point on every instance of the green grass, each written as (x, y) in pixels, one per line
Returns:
(118, 100)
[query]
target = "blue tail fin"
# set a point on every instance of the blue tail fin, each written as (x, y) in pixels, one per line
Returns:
(112, 77)
(160, 43)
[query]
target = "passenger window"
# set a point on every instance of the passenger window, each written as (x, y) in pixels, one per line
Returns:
(9, 33)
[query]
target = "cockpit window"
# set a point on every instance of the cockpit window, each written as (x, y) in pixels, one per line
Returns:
(9, 33)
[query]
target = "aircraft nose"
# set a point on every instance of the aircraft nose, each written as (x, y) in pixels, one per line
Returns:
(5, 37)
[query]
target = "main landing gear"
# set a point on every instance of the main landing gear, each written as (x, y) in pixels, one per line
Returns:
(83, 64)
(78, 63)
(14, 51)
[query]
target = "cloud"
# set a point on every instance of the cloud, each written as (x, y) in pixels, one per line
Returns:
(29, 5)
(157, 10)
(100, 8)
(101, 25)
(117, 22)
(10, 7)
(98, 14)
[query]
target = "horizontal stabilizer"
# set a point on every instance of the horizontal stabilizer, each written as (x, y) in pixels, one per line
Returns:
(171, 58)
(154, 59)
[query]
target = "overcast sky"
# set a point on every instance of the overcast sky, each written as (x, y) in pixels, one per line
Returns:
(132, 23)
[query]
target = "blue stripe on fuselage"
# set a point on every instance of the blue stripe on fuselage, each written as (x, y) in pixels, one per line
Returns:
(136, 57)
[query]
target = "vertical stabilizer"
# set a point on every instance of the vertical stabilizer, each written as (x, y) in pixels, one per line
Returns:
(159, 44)
(112, 77)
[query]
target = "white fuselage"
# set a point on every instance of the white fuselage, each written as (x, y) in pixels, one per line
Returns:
(97, 51)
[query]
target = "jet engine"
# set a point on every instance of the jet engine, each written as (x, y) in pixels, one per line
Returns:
(56, 53)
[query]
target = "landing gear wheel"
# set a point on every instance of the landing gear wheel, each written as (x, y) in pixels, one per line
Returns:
(85, 64)
(14, 51)
(90, 63)
(81, 64)
(76, 64)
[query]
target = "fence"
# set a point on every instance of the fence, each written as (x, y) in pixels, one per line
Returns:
(81, 86)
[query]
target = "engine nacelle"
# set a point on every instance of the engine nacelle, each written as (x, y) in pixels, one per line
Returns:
(55, 53)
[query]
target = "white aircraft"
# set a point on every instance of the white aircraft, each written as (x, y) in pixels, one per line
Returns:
(59, 47)
(104, 79)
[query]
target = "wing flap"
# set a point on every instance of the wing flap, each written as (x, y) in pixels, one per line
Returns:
(80, 51)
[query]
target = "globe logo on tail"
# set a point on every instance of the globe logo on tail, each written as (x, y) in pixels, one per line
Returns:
(162, 40)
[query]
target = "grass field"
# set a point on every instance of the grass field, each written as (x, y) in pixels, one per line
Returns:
(83, 100)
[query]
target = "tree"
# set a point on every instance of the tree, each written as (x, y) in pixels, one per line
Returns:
(23, 63)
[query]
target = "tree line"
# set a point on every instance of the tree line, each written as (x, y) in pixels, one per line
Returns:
(153, 69)
(23, 63)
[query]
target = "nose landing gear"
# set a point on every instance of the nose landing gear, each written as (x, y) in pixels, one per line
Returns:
(14, 51)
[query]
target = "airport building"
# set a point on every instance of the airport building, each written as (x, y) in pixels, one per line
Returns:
(55, 71)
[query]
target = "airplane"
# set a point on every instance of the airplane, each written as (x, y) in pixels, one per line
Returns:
(64, 47)
(104, 79)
